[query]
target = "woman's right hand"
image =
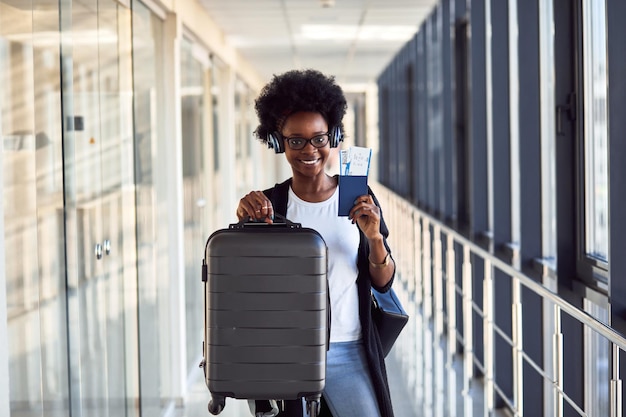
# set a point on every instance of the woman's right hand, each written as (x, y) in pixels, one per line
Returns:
(256, 206)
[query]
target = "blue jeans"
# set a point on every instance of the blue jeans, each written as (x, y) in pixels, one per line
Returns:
(349, 391)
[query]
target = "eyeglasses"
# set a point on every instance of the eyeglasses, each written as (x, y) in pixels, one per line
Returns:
(318, 141)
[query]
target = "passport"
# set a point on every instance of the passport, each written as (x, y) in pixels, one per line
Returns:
(350, 188)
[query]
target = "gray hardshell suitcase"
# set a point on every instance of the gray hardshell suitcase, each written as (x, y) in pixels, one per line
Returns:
(266, 314)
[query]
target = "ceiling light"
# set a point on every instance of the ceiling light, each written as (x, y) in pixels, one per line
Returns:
(327, 3)
(398, 33)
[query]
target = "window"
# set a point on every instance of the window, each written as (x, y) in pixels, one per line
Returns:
(461, 71)
(595, 131)
(593, 140)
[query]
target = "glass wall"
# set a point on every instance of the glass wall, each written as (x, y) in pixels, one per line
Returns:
(245, 166)
(99, 207)
(92, 256)
(68, 206)
(148, 49)
(31, 161)
(193, 66)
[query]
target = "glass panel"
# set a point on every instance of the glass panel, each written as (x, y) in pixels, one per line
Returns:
(195, 230)
(514, 117)
(245, 166)
(122, 230)
(215, 172)
(151, 233)
(102, 304)
(215, 106)
(97, 97)
(82, 152)
(31, 161)
(548, 129)
(596, 361)
(117, 207)
(595, 130)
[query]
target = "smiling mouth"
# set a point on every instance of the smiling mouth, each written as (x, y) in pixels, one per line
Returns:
(309, 161)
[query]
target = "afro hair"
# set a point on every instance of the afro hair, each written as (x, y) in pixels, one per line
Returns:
(298, 90)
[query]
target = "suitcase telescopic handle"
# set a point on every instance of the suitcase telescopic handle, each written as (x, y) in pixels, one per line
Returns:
(282, 222)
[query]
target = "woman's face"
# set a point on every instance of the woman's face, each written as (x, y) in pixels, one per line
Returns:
(308, 161)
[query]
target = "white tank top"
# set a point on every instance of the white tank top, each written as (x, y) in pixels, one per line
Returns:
(342, 240)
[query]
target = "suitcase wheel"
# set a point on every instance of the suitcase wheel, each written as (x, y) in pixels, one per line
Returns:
(313, 407)
(216, 405)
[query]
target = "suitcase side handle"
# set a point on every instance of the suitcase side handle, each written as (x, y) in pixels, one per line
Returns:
(283, 222)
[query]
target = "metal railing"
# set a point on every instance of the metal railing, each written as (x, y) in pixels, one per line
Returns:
(426, 256)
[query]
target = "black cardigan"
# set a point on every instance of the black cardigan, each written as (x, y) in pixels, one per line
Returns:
(278, 195)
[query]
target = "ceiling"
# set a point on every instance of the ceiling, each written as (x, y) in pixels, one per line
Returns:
(353, 40)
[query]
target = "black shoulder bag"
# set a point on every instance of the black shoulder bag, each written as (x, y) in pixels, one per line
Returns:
(389, 317)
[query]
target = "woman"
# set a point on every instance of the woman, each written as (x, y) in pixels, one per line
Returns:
(300, 113)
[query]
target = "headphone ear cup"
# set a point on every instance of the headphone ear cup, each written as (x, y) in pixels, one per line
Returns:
(336, 136)
(275, 141)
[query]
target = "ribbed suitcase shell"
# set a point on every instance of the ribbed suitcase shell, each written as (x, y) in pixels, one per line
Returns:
(266, 312)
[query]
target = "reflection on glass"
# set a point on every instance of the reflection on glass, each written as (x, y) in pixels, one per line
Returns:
(99, 208)
(215, 106)
(244, 165)
(595, 130)
(152, 260)
(548, 129)
(194, 189)
(596, 363)
(33, 210)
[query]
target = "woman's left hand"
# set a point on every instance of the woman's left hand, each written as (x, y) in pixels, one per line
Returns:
(367, 215)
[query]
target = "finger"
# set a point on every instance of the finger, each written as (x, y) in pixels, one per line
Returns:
(251, 204)
(257, 199)
(241, 209)
(362, 203)
(270, 211)
(365, 198)
(241, 213)
(357, 210)
(366, 213)
(264, 206)
(250, 208)
(356, 206)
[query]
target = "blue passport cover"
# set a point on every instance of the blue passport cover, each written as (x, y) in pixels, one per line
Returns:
(350, 188)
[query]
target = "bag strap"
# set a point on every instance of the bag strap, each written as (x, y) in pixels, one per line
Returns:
(278, 195)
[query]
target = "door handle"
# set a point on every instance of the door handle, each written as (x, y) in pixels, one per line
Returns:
(98, 251)
(107, 246)
(570, 111)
